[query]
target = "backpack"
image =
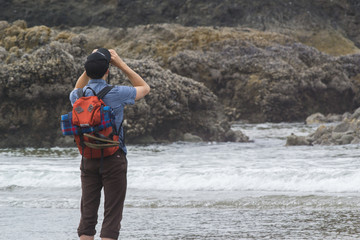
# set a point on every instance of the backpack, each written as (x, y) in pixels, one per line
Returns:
(93, 125)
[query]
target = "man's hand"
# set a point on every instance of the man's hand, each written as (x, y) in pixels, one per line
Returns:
(116, 60)
(142, 88)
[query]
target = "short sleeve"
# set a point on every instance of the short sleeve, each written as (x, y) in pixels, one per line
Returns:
(125, 94)
(73, 96)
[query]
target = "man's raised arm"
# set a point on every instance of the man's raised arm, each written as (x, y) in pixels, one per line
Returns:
(142, 88)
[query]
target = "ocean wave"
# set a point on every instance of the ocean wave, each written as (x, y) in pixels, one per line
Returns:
(260, 202)
(249, 203)
(12, 180)
(37, 202)
(39, 152)
(296, 180)
(175, 179)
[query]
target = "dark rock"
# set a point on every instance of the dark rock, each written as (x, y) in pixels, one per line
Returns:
(342, 127)
(236, 136)
(356, 114)
(317, 118)
(294, 140)
(188, 137)
(35, 87)
(175, 106)
(278, 83)
(307, 19)
(257, 76)
(346, 132)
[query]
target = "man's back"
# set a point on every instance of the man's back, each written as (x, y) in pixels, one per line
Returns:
(112, 175)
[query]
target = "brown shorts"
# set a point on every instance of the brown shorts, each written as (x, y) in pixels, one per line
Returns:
(113, 179)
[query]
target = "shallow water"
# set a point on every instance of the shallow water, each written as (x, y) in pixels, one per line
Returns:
(257, 190)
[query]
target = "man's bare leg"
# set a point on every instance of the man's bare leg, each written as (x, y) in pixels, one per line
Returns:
(84, 237)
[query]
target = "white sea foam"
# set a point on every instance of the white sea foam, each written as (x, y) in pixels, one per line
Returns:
(289, 192)
(298, 180)
(37, 173)
(39, 179)
(264, 165)
(174, 179)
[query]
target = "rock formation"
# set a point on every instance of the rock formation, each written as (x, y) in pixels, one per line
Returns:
(258, 76)
(209, 63)
(345, 132)
(331, 26)
(276, 83)
(319, 118)
(41, 66)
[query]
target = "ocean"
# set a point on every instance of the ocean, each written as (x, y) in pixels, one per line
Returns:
(257, 190)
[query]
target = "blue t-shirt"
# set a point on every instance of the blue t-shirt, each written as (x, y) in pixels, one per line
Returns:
(117, 98)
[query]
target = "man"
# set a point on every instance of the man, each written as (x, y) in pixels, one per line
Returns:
(113, 173)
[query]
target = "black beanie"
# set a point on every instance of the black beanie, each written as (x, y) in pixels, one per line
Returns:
(97, 63)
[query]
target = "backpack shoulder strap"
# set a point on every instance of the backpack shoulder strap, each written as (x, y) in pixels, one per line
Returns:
(81, 91)
(104, 91)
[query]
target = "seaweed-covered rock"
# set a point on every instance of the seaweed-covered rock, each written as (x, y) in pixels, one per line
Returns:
(331, 26)
(19, 36)
(257, 76)
(275, 83)
(35, 87)
(34, 92)
(176, 107)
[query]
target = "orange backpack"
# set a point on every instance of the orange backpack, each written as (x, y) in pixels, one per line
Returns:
(96, 135)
